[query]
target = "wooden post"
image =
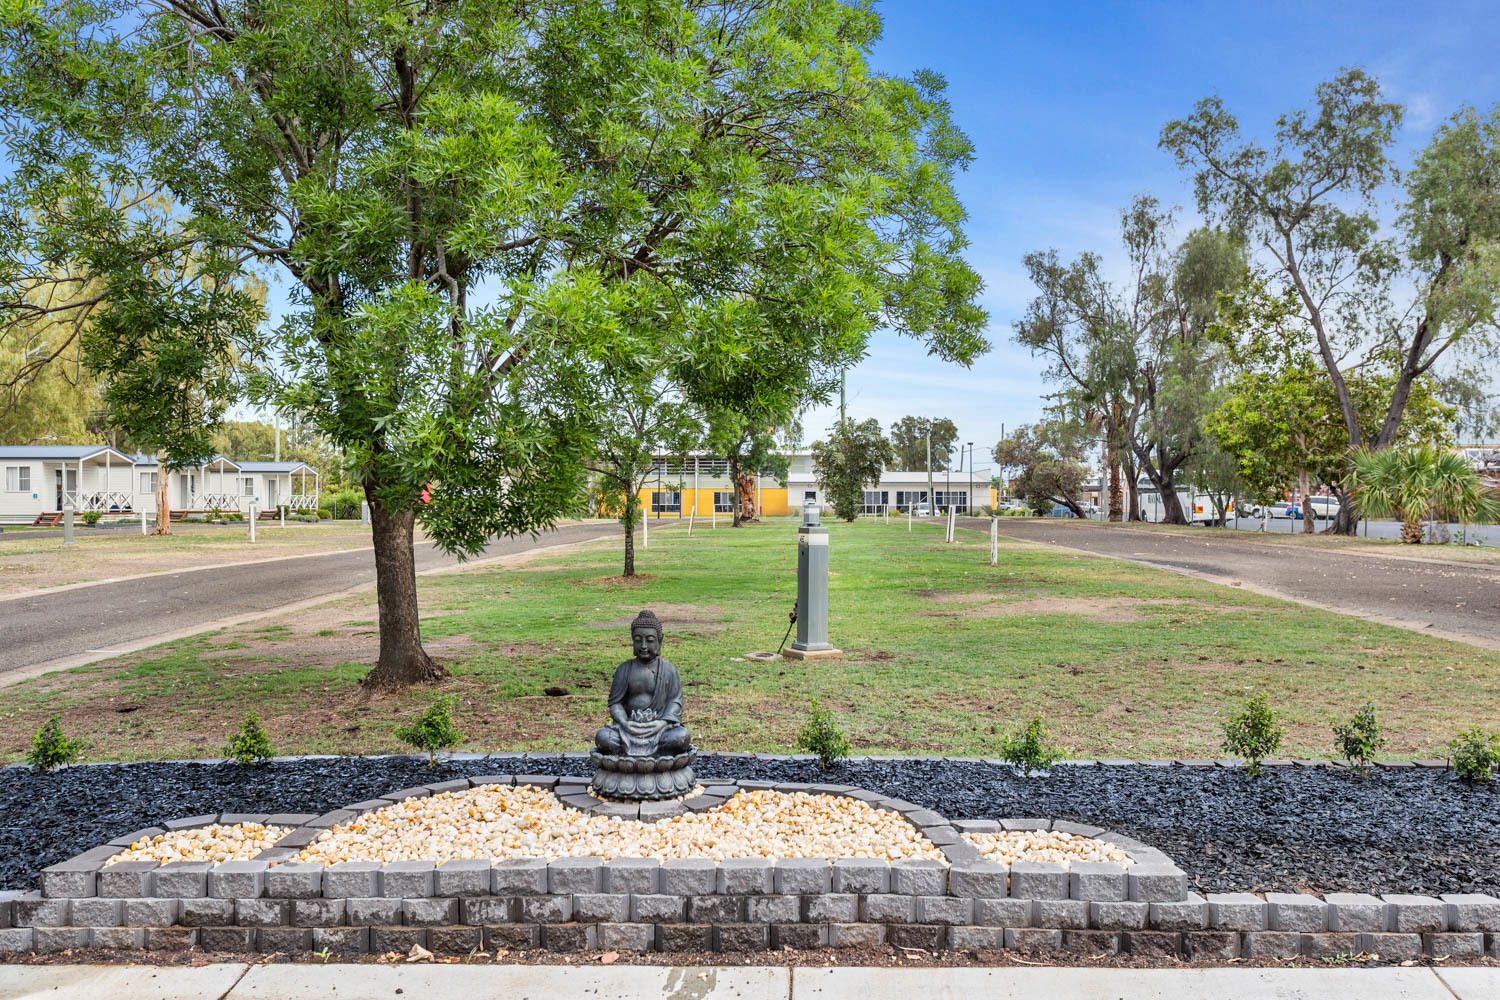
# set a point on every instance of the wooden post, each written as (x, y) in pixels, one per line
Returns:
(693, 516)
(646, 532)
(994, 541)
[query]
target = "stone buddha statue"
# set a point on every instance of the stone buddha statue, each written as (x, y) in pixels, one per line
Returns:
(645, 700)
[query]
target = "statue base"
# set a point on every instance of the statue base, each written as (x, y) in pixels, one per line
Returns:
(793, 653)
(642, 779)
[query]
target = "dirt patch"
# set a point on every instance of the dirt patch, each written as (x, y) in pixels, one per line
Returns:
(1107, 610)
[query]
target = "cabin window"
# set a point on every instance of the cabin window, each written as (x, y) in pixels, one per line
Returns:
(18, 479)
(248, 487)
(148, 482)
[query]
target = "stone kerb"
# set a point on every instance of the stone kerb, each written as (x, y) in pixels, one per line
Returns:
(570, 904)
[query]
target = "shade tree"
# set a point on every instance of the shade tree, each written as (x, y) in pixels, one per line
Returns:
(852, 457)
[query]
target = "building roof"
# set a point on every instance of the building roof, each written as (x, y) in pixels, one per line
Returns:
(60, 452)
(149, 462)
(275, 467)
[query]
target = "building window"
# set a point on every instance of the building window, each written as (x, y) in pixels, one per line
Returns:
(907, 499)
(957, 499)
(875, 502)
(723, 501)
(249, 486)
(809, 496)
(148, 482)
(18, 479)
(666, 501)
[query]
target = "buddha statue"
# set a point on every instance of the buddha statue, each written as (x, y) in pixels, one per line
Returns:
(645, 700)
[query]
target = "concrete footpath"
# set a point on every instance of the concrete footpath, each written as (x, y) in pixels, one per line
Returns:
(630, 982)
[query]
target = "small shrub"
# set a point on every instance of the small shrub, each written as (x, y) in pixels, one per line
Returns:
(1475, 755)
(822, 737)
(50, 748)
(434, 731)
(1029, 750)
(252, 744)
(1253, 734)
(1359, 739)
(91, 518)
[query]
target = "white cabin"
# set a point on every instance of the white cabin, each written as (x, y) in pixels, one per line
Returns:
(41, 479)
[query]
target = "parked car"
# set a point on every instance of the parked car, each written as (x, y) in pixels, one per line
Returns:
(1324, 508)
(923, 509)
(1276, 511)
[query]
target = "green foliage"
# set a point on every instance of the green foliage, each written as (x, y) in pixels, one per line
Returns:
(1475, 755)
(342, 505)
(1028, 749)
(1359, 739)
(851, 459)
(252, 744)
(91, 517)
(1421, 482)
(50, 748)
(909, 438)
(434, 731)
(1047, 459)
(1253, 734)
(822, 737)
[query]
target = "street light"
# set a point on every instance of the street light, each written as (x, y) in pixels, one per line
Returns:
(969, 497)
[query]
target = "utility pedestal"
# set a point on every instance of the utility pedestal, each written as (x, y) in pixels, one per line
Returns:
(68, 523)
(812, 591)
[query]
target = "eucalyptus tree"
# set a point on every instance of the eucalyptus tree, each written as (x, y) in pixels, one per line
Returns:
(853, 457)
(1310, 202)
(465, 197)
(917, 440)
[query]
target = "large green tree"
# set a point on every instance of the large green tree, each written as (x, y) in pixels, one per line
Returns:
(853, 457)
(1049, 458)
(473, 199)
(914, 438)
(1310, 201)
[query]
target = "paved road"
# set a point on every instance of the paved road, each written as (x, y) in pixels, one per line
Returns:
(1456, 600)
(67, 626)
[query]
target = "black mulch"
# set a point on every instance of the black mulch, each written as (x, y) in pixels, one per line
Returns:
(1314, 829)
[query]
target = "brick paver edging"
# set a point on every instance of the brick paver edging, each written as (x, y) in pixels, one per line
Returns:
(575, 904)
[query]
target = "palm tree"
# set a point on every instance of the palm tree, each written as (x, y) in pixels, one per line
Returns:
(1421, 482)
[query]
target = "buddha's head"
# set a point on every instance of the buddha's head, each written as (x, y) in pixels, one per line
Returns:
(645, 636)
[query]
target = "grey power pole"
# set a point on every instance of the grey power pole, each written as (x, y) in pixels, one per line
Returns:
(931, 496)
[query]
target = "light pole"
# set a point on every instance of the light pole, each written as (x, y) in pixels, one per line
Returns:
(931, 497)
(969, 500)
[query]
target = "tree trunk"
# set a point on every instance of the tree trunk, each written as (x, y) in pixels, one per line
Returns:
(163, 481)
(1411, 531)
(1112, 456)
(744, 485)
(402, 661)
(1133, 494)
(632, 515)
(1166, 491)
(1345, 522)
(1308, 514)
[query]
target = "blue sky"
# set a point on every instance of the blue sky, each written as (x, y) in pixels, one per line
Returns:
(1064, 101)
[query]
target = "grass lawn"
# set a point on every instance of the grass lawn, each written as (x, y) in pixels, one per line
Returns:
(944, 655)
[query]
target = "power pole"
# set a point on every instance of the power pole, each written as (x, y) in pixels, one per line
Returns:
(969, 504)
(931, 496)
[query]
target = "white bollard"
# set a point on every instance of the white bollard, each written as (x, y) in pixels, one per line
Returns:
(144, 532)
(908, 520)
(252, 522)
(68, 524)
(715, 524)
(994, 541)
(281, 509)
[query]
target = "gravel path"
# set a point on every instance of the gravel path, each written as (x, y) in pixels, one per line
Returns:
(1452, 599)
(1316, 829)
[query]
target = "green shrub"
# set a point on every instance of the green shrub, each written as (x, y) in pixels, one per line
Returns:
(1359, 739)
(1015, 512)
(822, 737)
(50, 748)
(343, 504)
(252, 744)
(1029, 750)
(91, 518)
(434, 731)
(1253, 734)
(1475, 755)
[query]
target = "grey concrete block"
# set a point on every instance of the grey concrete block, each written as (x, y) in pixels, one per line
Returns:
(512, 936)
(126, 880)
(181, 880)
(972, 938)
(1330, 944)
(1108, 915)
(70, 879)
(601, 907)
(429, 912)
(1068, 914)
(1038, 880)
(861, 875)
(626, 937)
(569, 937)
(1411, 914)
(119, 938)
(1470, 911)
(97, 912)
(455, 940)
(741, 937)
(376, 911)
(478, 911)
(1025, 823)
(1157, 944)
(254, 912)
(462, 878)
(237, 880)
(233, 939)
(1392, 947)
(407, 879)
(919, 878)
(546, 909)
(1002, 912)
(778, 909)
(1272, 944)
(1293, 911)
(1032, 939)
(1102, 880)
(357, 880)
(279, 819)
(14, 940)
(852, 935)
(318, 912)
(946, 910)
(888, 908)
(171, 938)
(800, 876)
(689, 877)
(292, 939)
(650, 908)
(1076, 829)
(295, 881)
(397, 939)
(198, 913)
(1190, 914)
(1236, 911)
(980, 880)
(684, 937)
(55, 939)
(342, 940)
(831, 908)
(799, 936)
(742, 876)
(1355, 911)
(575, 875)
(639, 876)
(31, 910)
(1465, 945)
(715, 909)
(519, 877)
(928, 937)
(1157, 884)
(1210, 946)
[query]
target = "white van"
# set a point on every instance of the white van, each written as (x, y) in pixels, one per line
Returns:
(1324, 508)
